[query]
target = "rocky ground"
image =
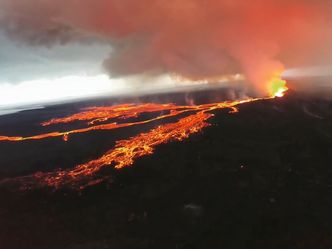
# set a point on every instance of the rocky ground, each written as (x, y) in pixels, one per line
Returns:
(256, 179)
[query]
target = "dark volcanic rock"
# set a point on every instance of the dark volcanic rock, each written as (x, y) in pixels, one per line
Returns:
(256, 179)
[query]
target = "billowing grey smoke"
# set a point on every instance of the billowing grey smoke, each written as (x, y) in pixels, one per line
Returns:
(195, 39)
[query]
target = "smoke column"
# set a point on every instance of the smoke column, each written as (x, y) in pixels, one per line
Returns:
(191, 39)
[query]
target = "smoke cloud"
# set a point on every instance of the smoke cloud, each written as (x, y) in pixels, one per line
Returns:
(193, 39)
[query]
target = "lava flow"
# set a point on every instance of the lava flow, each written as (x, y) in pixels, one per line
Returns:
(192, 120)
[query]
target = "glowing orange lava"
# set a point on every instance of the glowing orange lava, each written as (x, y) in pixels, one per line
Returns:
(276, 86)
(192, 120)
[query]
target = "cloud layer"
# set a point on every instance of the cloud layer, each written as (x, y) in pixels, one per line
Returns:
(195, 39)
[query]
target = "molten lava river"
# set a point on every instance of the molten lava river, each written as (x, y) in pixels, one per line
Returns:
(189, 120)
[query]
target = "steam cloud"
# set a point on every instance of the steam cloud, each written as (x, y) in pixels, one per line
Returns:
(194, 39)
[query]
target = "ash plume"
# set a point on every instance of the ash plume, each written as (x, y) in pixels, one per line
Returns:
(192, 39)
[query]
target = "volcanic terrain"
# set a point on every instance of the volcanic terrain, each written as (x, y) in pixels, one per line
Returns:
(258, 178)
